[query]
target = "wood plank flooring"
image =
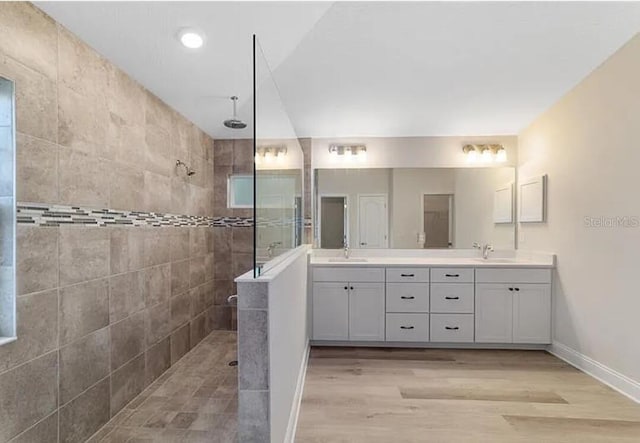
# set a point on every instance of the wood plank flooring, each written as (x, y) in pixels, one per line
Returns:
(434, 395)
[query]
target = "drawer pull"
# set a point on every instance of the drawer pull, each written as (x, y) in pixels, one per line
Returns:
(346, 288)
(451, 328)
(407, 275)
(517, 289)
(452, 298)
(406, 327)
(452, 275)
(351, 288)
(404, 297)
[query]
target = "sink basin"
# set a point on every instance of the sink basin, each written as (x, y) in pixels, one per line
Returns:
(495, 260)
(348, 260)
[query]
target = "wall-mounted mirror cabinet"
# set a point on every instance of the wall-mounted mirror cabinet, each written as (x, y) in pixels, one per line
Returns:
(414, 208)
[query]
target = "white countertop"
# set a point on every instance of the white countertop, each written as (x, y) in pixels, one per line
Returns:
(508, 260)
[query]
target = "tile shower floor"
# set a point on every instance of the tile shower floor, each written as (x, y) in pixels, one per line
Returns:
(196, 400)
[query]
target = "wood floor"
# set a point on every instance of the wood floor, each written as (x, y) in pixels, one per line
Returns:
(382, 395)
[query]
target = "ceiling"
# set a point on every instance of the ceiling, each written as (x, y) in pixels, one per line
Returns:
(363, 68)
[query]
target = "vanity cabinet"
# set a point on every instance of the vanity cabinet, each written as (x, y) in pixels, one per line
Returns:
(513, 313)
(348, 304)
(456, 305)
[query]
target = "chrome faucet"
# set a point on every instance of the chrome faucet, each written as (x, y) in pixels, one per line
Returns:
(484, 249)
(347, 252)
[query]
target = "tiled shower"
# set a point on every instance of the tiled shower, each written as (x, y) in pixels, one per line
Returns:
(109, 293)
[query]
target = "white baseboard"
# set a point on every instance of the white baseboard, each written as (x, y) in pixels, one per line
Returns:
(620, 382)
(297, 398)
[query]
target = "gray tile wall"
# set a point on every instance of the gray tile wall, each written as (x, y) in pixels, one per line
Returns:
(102, 312)
(234, 245)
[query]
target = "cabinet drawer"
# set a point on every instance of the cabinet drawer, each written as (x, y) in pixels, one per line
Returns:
(452, 328)
(452, 275)
(407, 275)
(348, 274)
(495, 275)
(454, 298)
(407, 327)
(407, 297)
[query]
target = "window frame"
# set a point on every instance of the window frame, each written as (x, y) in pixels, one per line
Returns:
(231, 204)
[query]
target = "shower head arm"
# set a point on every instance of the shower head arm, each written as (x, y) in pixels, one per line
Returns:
(187, 169)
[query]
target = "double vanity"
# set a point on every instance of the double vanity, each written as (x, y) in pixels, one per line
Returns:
(387, 299)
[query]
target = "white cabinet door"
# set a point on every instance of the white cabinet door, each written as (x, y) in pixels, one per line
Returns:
(330, 311)
(532, 313)
(366, 311)
(494, 313)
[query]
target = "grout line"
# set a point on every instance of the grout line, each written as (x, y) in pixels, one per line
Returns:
(55, 411)
(108, 376)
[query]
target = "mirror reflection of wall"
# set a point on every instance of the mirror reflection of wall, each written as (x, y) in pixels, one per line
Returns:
(278, 210)
(412, 208)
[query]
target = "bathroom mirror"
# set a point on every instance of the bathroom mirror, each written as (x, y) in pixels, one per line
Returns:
(414, 208)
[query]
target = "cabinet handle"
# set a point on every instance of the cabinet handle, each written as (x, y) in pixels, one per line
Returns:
(452, 275)
(406, 327)
(407, 275)
(517, 289)
(404, 297)
(346, 288)
(450, 328)
(452, 298)
(351, 288)
(511, 289)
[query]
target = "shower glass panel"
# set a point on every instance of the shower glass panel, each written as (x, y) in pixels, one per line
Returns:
(7, 211)
(278, 171)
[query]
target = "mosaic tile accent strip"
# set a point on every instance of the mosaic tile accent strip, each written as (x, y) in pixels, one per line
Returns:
(58, 215)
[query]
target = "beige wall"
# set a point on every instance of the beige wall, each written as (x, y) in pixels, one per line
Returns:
(102, 312)
(409, 185)
(587, 143)
(474, 202)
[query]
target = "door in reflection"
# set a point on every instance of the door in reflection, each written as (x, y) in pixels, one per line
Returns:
(332, 222)
(438, 212)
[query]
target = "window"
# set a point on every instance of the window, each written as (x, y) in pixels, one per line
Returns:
(7, 212)
(240, 191)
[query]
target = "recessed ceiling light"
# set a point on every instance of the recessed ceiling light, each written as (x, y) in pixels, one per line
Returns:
(191, 38)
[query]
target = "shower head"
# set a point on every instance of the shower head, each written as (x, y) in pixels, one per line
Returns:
(235, 122)
(187, 169)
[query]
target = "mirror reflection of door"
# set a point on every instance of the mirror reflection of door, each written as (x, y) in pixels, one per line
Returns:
(372, 221)
(438, 218)
(332, 222)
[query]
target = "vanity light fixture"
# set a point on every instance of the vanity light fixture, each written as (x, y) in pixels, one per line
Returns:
(190, 38)
(485, 153)
(348, 152)
(271, 153)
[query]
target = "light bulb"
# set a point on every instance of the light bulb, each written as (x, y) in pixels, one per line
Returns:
(486, 156)
(348, 155)
(501, 155)
(333, 155)
(268, 157)
(362, 156)
(280, 156)
(472, 156)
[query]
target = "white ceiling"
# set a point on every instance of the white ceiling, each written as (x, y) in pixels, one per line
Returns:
(362, 69)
